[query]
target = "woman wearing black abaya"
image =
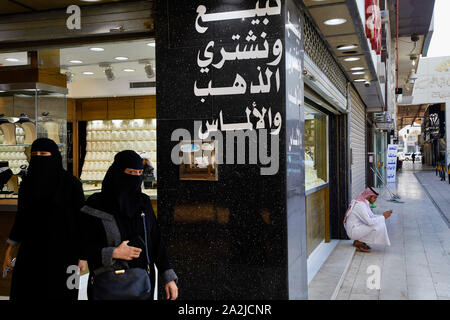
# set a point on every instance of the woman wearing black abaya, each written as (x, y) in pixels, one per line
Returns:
(46, 228)
(122, 198)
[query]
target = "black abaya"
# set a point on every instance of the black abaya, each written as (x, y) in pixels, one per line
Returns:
(47, 228)
(122, 198)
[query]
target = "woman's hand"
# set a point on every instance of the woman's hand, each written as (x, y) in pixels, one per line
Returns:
(124, 252)
(171, 290)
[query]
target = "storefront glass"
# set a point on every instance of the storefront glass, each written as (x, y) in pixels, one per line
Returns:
(28, 112)
(316, 148)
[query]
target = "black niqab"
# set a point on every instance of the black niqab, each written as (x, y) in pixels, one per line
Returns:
(44, 172)
(121, 192)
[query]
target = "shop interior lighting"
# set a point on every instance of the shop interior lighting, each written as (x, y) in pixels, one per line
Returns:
(69, 76)
(109, 73)
(148, 68)
(356, 68)
(335, 22)
(108, 70)
(151, 44)
(347, 47)
(76, 61)
(121, 58)
(88, 73)
(129, 70)
(97, 49)
(360, 80)
(352, 59)
(358, 72)
(12, 59)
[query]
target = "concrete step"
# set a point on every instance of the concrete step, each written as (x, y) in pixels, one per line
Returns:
(328, 280)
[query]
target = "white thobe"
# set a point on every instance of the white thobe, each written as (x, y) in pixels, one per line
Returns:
(364, 226)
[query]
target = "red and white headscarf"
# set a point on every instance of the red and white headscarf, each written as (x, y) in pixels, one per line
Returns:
(362, 197)
(366, 193)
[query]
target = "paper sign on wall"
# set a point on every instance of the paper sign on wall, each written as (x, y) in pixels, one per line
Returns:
(391, 162)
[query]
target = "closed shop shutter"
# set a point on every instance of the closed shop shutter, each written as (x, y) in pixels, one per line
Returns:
(358, 144)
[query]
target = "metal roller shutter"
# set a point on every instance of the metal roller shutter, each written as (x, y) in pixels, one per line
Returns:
(358, 144)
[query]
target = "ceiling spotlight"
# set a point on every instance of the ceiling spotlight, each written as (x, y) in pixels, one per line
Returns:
(69, 76)
(335, 22)
(97, 49)
(148, 67)
(149, 70)
(109, 74)
(108, 70)
(352, 59)
(413, 75)
(344, 47)
(121, 58)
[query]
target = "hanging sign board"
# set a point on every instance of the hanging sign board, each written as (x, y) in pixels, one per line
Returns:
(373, 24)
(391, 162)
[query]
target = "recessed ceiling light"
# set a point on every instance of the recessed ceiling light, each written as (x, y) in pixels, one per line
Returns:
(357, 68)
(352, 59)
(128, 70)
(121, 58)
(151, 44)
(335, 22)
(88, 73)
(344, 47)
(359, 72)
(76, 61)
(360, 80)
(12, 59)
(97, 49)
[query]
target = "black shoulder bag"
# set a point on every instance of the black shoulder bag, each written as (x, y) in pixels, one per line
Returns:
(119, 282)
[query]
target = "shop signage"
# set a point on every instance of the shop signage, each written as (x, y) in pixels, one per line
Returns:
(236, 78)
(373, 24)
(391, 168)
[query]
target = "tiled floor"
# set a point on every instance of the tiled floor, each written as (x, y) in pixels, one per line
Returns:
(417, 264)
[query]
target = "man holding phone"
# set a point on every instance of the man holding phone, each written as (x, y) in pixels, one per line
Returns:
(362, 225)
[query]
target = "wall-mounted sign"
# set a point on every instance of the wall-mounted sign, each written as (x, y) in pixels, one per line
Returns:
(391, 168)
(373, 24)
(199, 161)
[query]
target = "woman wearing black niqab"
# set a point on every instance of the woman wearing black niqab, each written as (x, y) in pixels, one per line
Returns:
(46, 227)
(121, 197)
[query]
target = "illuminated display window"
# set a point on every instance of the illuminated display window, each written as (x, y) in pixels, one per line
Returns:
(316, 148)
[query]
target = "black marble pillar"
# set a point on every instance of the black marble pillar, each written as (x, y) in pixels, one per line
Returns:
(242, 236)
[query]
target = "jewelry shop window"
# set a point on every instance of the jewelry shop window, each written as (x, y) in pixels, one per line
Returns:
(316, 148)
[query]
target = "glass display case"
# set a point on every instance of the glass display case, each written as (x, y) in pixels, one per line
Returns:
(105, 138)
(28, 111)
(316, 148)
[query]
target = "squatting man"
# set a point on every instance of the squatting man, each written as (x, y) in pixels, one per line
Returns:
(362, 225)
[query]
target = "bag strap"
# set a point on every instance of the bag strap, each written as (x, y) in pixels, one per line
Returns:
(145, 236)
